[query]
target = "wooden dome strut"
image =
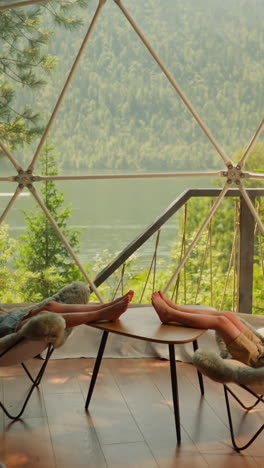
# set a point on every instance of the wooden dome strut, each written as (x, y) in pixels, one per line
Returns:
(232, 173)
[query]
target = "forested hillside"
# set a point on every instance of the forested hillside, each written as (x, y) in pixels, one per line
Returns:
(122, 113)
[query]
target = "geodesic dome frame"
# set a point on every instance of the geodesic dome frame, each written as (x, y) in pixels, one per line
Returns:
(232, 173)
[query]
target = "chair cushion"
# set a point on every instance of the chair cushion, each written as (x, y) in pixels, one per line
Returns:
(228, 370)
(44, 328)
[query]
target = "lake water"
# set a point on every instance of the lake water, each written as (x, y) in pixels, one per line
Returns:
(113, 212)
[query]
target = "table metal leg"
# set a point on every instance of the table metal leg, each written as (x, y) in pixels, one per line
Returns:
(200, 377)
(175, 395)
(96, 367)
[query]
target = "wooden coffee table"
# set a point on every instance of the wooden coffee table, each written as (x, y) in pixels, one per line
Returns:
(142, 322)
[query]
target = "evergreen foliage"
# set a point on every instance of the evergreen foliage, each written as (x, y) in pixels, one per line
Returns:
(120, 111)
(24, 62)
(7, 251)
(41, 252)
(254, 163)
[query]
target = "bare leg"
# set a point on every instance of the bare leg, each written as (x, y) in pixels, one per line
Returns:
(205, 310)
(61, 308)
(220, 323)
(110, 312)
(192, 309)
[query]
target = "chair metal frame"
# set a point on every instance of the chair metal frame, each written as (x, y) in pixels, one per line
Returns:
(35, 381)
(259, 398)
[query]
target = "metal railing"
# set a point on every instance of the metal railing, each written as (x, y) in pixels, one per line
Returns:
(246, 244)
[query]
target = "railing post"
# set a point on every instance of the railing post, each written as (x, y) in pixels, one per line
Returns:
(245, 287)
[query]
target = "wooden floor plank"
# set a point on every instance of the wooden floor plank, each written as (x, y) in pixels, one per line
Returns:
(27, 444)
(75, 447)
(109, 412)
(198, 420)
(130, 422)
(15, 390)
(133, 455)
(153, 415)
(60, 383)
(245, 424)
(209, 433)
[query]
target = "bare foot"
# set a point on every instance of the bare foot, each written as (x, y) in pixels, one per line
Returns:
(192, 309)
(167, 300)
(129, 295)
(161, 308)
(113, 311)
(60, 308)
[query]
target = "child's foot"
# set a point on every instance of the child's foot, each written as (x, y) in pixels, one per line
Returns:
(161, 308)
(192, 309)
(113, 311)
(167, 300)
(129, 295)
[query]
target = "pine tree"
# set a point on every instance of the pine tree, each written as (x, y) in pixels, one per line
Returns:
(24, 35)
(7, 250)
(41, 252)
